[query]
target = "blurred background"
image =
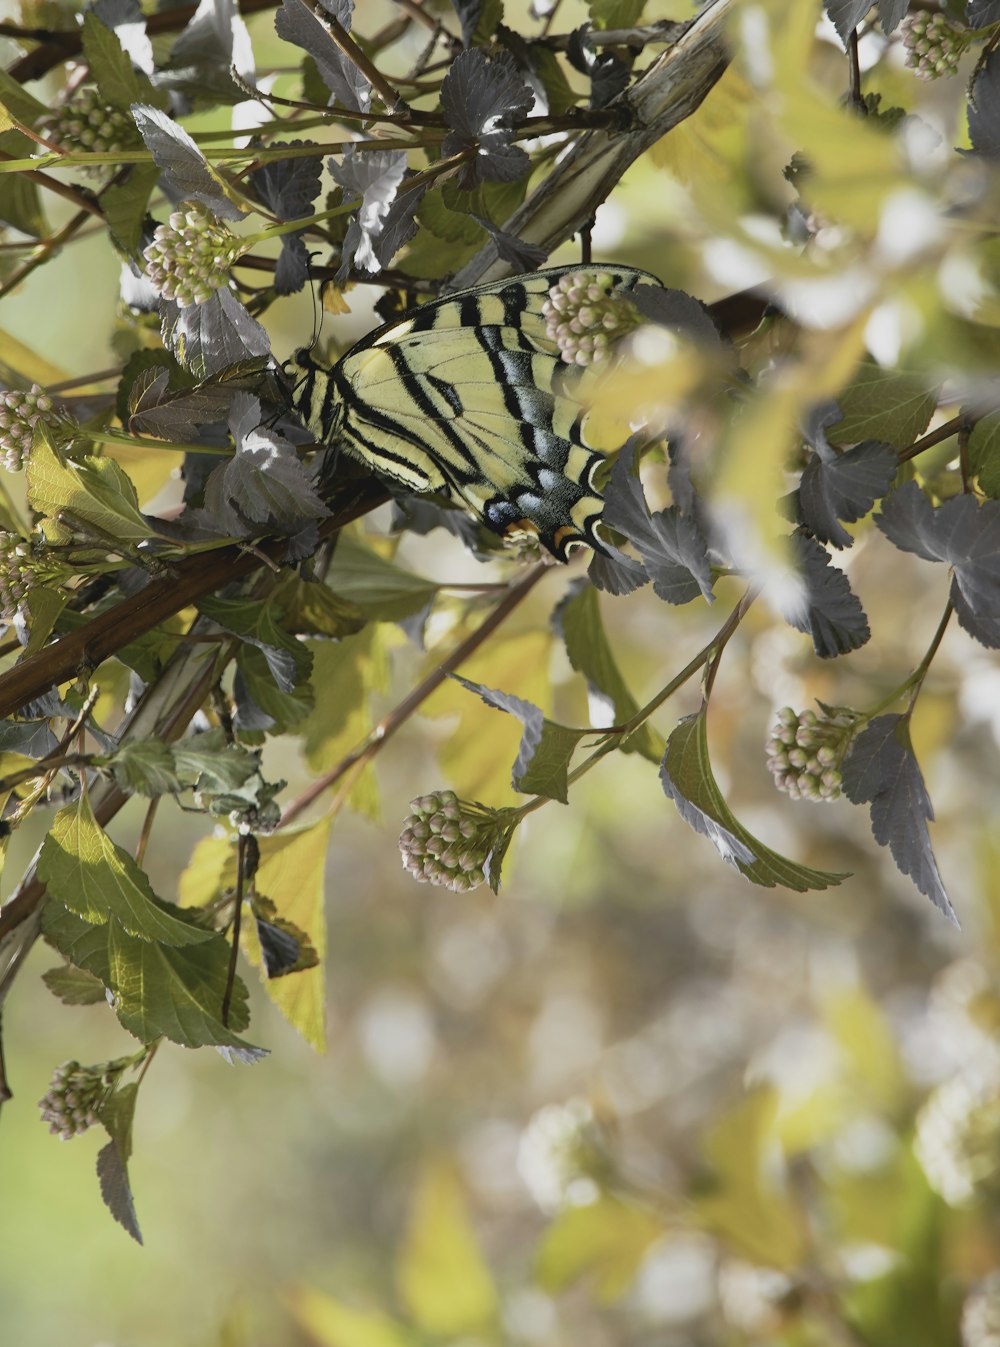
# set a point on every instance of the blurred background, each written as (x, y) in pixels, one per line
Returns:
(633, 1099)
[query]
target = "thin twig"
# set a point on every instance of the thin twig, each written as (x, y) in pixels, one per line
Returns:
(241, 856)
(389, 724)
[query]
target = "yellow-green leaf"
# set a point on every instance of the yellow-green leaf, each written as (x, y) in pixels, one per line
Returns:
(331, 1323)
(441, 1273)
(605, 1240)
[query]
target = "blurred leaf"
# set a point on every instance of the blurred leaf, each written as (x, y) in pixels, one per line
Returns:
(743, 1202)
(382, 590)
(866, 1040)
(984, 453)
(441, 1273)
(893, 405)
(964, 533)
(311, 608)
(687, 779)
(615, 13)
(330, 1323)
(292, 874)
(83, 869)
(605, 1241)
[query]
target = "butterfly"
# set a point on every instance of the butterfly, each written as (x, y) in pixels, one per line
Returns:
(468, 396)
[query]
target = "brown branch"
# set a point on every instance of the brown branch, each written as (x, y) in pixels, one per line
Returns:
(60, 47)
(190, 580)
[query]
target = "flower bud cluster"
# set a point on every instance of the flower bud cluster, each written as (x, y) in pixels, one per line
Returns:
(447, 841)
(806, 750)
(19, 571)
(75, 1094)
(20, 412)
(585, 319)
(934, 44)
(189, 258)
(88, 123)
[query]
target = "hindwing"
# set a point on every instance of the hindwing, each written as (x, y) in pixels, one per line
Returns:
(468, 396)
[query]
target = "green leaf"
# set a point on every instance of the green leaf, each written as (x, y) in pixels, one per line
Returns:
(83, 869)
(145, 766)
(21, 105)
(124, 204)
(157, 989)
(74, 986)
(604, 1240)
(120, 85)
(578, 619)
(94, 491)
(313, 609)
(330, 1323)
(687, 779)
(116, 1113)
(257, 623)
(544, 769)
(883, 404)
(615, 13)
(20, 199)
(379, 588)
(271, 709)
(442, 1275)
(205, 762)
(44, 607)
(745, 1203)
(984, 454)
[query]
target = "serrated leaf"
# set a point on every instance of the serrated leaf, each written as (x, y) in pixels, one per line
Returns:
(845, 486)
(605, 1240)
(375, 178)
(442, 1275)
(966, 535)
(482, 101)
(212, 56)
(83, 869)
(845, 15)
(111, 68)
(156, 989)
(687, 779)
(892, 405)
(882, 771)
(212, 337)
(175, 992)
(578, 621)
(673, 551)
(288, 187)
(93, 490)
(295, 22)
(545, 750)
(116, 1113)
(828, 610)
(74, 986)
(256, 622)
(261, 704)
(146, 767)
(115, 1189)
(186, 171)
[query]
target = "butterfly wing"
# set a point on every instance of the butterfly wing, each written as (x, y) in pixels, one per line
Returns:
(468, 396)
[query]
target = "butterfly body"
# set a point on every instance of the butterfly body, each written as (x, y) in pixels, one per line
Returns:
(468, 396)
